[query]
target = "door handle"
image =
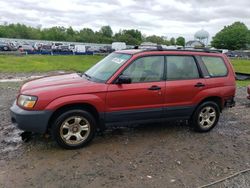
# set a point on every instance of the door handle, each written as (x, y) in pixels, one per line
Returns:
(199, 84)
(154, 88)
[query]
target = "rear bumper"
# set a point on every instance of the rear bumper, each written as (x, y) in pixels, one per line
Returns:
(33, 121)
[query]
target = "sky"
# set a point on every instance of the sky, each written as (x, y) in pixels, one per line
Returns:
(169, 18)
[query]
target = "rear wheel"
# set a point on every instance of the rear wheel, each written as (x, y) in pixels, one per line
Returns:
(206, 116)
(74, 129)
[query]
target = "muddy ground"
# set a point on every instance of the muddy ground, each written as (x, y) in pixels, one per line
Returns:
(168, 154)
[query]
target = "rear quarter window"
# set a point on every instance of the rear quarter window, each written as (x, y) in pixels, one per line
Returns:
(215, 66)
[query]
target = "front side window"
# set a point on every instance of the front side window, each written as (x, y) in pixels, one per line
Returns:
(181, 68)
(146, 69)
(215, 66)
(105, 68)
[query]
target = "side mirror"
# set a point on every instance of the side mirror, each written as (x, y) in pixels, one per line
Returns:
(122, 79)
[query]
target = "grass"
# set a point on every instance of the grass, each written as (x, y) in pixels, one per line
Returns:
(243, 83)
(44, 63)
(242, 66)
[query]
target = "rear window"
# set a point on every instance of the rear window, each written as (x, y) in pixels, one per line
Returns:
(215, 66)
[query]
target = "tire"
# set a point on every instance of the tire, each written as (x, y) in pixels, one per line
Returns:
(206, 116)
(5, 48)
(74, 129)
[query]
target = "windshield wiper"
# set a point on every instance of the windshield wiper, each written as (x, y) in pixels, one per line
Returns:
(86, 75)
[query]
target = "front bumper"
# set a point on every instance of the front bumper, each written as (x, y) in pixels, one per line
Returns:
(33, 121)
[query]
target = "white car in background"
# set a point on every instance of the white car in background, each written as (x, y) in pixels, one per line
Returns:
(80, 48)
(118, 46)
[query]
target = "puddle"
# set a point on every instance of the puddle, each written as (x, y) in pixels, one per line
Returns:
(10, 139)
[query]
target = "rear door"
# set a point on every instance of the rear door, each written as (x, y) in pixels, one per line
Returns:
(144, 97)
(184, 83)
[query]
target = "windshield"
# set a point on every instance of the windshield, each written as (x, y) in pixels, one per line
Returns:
(105, 68)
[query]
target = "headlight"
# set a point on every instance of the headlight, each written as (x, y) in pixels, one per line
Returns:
(26, 101)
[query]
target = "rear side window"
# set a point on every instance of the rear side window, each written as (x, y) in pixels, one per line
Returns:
(215, 66)
(181, 68)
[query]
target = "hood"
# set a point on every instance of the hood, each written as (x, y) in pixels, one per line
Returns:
(53, 81)
(48, 89)
(61, 85)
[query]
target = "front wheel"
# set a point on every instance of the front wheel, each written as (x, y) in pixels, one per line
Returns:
(74, 129)
(206, 116)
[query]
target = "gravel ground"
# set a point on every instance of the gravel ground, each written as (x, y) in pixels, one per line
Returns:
(4, 75)
(169, 154)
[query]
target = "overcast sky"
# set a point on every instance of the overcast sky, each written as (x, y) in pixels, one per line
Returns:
(161, 17)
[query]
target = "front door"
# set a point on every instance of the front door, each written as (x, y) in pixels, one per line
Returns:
(144, 97)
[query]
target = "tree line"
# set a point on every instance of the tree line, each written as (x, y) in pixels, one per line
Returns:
(233, 37)
(105, 35)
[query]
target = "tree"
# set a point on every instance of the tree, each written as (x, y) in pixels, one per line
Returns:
(71, 34)
(172, 41)
(55, 33)
(131, 37)
(134, 33)
(154, 39)
(106, 31)
(121, 37)
(232, 37)
(180, 41)
(86, 35)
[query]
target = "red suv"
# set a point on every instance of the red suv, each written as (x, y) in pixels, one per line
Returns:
(139, 85)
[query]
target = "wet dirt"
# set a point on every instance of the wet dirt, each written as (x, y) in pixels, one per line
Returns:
(167, 154)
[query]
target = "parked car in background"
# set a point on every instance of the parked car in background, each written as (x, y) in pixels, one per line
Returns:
(80, 48)
(64, 48)
(13, 46)
(248, 91)
(46, 48)
(231, 54)
(118, 46)
(56, 46)
(38, 46)
(95, 49)
(106, 49)
(72, 47)
(5, 46)
(26, 48)
(143, 85)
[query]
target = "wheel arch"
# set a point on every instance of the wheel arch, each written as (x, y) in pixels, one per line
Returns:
(218, 100)
(80, 106)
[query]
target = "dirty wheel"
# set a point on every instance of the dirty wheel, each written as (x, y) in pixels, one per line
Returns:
(74, 129)
(206, 116)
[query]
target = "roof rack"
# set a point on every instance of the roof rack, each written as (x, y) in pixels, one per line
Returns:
(160, 48)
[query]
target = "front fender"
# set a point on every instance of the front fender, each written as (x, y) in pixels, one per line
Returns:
(98, 101)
